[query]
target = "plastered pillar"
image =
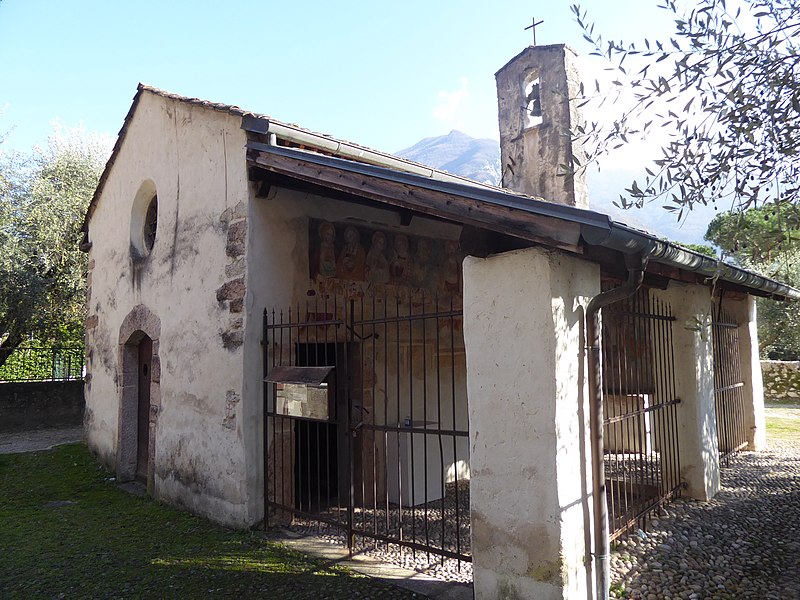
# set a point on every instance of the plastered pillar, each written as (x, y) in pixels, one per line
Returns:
(528, 418)
(745, 313)
(694, 385)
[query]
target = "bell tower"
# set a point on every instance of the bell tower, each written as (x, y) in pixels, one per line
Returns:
(536, 116)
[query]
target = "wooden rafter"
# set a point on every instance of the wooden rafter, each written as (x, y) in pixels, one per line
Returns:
(536, 228)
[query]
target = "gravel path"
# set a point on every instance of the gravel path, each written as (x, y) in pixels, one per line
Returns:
(745, 543)
(422, 524)
(39, 439)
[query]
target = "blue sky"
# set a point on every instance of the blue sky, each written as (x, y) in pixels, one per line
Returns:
(383, 74)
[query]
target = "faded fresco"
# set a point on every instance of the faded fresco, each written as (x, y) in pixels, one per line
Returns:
(355, 261)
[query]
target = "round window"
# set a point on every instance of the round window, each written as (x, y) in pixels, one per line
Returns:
(150, 223)
(144, 220)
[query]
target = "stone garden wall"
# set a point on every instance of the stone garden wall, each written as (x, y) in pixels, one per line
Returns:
(40, 404)
(781, 381)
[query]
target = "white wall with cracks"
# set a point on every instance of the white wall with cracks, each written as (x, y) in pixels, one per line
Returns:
(193, 277)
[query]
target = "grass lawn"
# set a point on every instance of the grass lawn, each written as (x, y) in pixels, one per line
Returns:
(783, 422)
(109, 544)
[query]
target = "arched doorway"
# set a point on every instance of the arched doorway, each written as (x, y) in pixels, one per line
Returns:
(144, 370)
(139, 384)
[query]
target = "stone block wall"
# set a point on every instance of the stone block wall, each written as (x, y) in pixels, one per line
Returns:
(781, 381)
(231, 294)
(40, 404)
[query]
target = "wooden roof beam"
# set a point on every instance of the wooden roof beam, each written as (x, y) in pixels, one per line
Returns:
(536, 228)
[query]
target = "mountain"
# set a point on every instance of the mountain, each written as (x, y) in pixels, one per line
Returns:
(460, 154)
(479, 159)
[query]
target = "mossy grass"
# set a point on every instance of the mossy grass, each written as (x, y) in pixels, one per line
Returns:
(67, 531)
(779, 428)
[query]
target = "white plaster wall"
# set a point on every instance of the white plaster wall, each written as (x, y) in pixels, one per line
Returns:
(423, 398)
(278, 276)
(530, 490)
(694, 385)
(195, 157)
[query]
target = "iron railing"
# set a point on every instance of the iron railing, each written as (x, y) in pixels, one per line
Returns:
(642, 466)
(391, 463)
(728, 386)
(42, 363)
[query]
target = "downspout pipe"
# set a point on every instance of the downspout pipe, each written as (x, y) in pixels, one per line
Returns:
(636, 264)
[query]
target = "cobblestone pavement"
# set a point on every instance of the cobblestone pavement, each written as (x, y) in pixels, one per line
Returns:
(744, 543)
(422, 524)
(38, 439)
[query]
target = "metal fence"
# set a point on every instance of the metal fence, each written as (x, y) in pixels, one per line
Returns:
(40, 363)
(642, 466)
(366, 422)
(728, 386)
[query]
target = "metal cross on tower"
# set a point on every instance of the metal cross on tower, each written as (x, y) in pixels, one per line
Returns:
(532, 26)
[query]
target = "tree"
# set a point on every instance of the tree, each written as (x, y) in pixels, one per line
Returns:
(759, 238)
(766, 240)
(43, 199)
(700, 249)
(725, 88)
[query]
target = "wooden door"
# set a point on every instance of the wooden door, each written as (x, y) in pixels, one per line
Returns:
(143, 417)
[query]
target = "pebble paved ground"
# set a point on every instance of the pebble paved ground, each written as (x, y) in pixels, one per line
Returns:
(745, 543)
(422, 524)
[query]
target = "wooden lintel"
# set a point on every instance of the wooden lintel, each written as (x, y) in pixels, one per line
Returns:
(482, 242)
(537, 228)
(731, 294)
(263, 189)
(675, 273)
(405, 217)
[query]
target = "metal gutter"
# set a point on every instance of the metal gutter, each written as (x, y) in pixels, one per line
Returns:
(625, 239)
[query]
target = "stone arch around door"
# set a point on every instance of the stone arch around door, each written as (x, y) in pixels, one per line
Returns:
(139, 325)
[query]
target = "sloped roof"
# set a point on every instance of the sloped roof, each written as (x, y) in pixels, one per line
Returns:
(500, 210)
(253, 122)
(419, 187)
(140, 90)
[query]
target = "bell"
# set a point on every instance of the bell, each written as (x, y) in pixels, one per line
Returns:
(534, 101)
(536, 107)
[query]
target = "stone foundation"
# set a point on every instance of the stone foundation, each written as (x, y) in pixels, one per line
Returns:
(781, 381)
(39, 404)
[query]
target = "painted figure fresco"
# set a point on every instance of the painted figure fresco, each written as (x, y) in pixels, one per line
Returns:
(326, 262)
(400, 264)
(451, 269)
(352, 259)
(421, 269)
(377, 265)
(414, 267)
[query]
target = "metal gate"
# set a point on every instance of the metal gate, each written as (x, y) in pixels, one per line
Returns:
(641, 457)
(366, 422)
(728, 386)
